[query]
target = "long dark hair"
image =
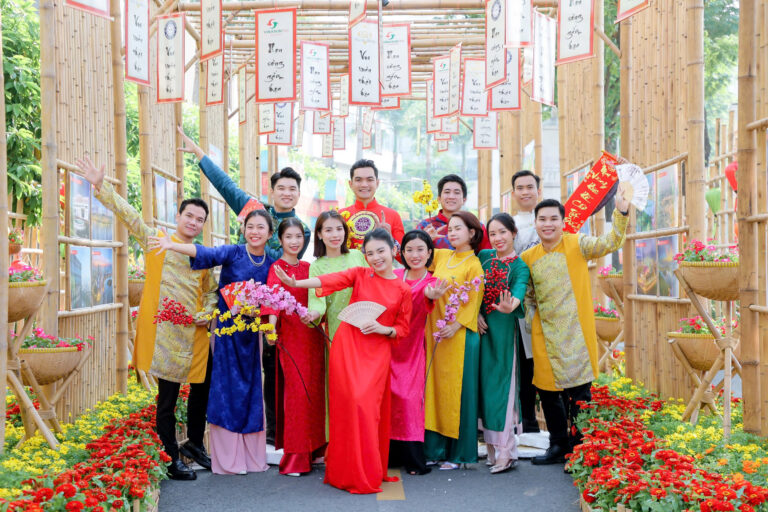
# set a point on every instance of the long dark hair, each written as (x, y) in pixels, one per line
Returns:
(417, 234)
(319, 250)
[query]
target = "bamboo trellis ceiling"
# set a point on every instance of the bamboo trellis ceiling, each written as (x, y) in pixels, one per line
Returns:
(436, 26)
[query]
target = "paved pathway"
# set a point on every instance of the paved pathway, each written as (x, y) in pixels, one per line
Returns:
(528, 488)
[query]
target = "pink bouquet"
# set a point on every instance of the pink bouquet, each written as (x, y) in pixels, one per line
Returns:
(459, 295)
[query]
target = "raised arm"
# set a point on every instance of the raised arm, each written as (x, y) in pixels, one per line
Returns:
(312, 282)
(598, 246)
(162, 242)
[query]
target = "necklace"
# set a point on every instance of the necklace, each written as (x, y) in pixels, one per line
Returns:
(414, 285)
(263, 258)
(448, 263)
(294, 265)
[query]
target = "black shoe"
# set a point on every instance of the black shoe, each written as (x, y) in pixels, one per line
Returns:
(555, 455)
(177, 470)
(196, 453)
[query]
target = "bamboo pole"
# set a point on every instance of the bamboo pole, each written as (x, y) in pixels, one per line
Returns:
(696, 183)
(598, 109)
(121, 173)
(203, 128)
(178, 120)
(484, 184)
(3, 247)
(747, 198)
(145, 152)
(343, 5)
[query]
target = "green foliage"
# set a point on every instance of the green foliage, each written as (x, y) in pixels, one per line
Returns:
(313, 169)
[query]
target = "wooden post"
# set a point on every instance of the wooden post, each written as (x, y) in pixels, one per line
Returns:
(3, 249)
(598, 110)
(48, 167)
(121, 174)
(696, 177)
(178, 117)
(205, 193)
(509, 149)
(747, 198)
(484, 184)
(562, 134)
(145, 158)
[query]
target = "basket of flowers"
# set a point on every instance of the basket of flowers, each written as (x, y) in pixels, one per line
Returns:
(710, 273)
(26, 290)
(607, 323)
(609, 275)
(51, 358)
(15, 241)
(697, 342)
(136, 278)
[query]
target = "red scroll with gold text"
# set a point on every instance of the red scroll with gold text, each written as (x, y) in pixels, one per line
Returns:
(587, 196)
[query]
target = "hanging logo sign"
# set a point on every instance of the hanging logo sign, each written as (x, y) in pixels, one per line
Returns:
(275, 55)
(211, 42)
(545, 35)
(474, 96)
(575, 29)
(396, 59)
(266, 118)
(442, 87)
(315, 77)
(507, 95)
(485, 134)
(170, 58)
(364, 85)
(495, 39)
(519, 23)
(282, 136)
(137, 41)
(590, 192)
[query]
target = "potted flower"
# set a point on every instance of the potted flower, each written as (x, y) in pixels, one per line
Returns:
(710, 273)
(136, 278)
(51, 358)
(26, 289)
(15, 241)
(607, 323)
(609, 275)
(697, 342)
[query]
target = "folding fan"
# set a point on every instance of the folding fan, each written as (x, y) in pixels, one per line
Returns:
(636, 186)
(229, 293)
(360, 313)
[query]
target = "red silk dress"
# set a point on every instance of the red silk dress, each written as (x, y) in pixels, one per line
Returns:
(300, 420)
(359, 382)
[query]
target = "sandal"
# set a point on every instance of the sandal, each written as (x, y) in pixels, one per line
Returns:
(503, 466)
(448, 466)
(491, 458)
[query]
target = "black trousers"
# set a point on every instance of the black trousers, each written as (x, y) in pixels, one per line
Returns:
(560, 409)
(408, 454)
(269, 363)
(527, 391)
(197, 405)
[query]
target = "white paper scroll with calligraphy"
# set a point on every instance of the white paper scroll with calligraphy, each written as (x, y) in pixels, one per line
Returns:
(396, 59)
(442, 87)
(495, 39)
(507, 95)
(211, 42)
(242, 94)
(442, 145)
(327, 146)
(627, 8)
(575, 22)
(266, 118)
(321, 125)
(97, 7)
(455, 79)
(474, 97)
(368, 115)
(485, 134)
(364, 85)
(378, 139)
(442, 136)
(137, 41)
(276, 55)
(214, 80)
(526, 63)
(300, 129)
(170, 58)
(388, 103)
(339, 132)
(343, 95)
(366, 140)
(545, 35)
(357, 10)
(450, 125)
(282, 136)
(433, 125)
(519, 23)
(315, 77)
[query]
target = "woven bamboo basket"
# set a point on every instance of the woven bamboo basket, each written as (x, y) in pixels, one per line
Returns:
(50, 364)
(135, 289)
(712, 279)
(24, 299)
(616, 279)
(700, 349)
(607, 328)
(14, 248)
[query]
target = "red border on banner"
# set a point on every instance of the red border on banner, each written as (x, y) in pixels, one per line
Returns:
(519, 85)
(314, 124)
(379, 107)
(258, 117)
(533, 66)
(433, 102)
(327, 75)
(349, 64)
(442, 126)
(370, 140)
(149, 41)
(584, 56)
(340, 114)
(157, 61)
(410, 79)
(207, 65)
(89, 9)
(504, 76)
(439, 136)
(434, 95)
(290, 130)
(343, 127)
(256, 15)
(621, 16)
(221, 33)
(487, 93)
(362, 15)
(445, 146)
(474, 136)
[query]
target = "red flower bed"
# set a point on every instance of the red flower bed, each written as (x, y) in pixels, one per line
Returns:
(622, 462)
(125, 463)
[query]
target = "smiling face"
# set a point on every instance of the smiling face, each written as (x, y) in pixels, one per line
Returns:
(459, 234)
(332, 233)
(501, 238)
(416, 253)
(285, 194)
(256, 231)
(379, 255)
(189, 223)
(292, 240)
(549, 224)
(526, 193)
(451, 198)
(364, 184)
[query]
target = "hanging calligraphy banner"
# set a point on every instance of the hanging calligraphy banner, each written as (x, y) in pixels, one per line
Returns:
(266, 118)
(170, 58)
(627, 8)
(442, 145)
(327, 151)
(343, 95)
(242, 94)
(507, 95)
(137, 41)
(474, 96)
(315, 76)
(339, 132)
(442, 136)
(366, 140)
(433, 125)
(495, 39)
(211, 41)
(214, 80)
(97, 7)
(388, 103)
(455, 79)
(368, 115)
(321, 124)
(590, 192)
(364, 84)
(275, 55)
(357, 10)
(545, 35)
(485, 134)
(519, 23)
(282, 136)
(396, 59)
(442, 87)
(575, 29)
(300, 129)
(378, 139)
(450, 125)
(527, 65)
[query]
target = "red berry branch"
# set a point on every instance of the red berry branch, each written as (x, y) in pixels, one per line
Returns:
(173, 312)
